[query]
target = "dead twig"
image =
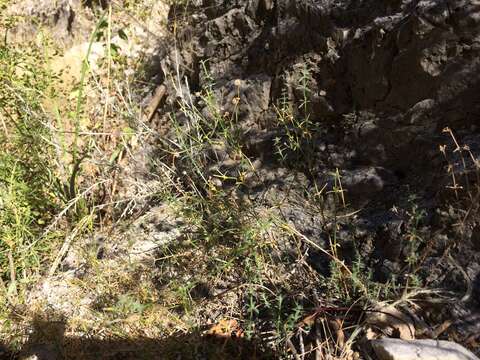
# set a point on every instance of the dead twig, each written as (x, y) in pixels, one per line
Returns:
(154, 103)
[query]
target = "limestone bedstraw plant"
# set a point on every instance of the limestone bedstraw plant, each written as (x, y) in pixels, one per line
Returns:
(298, 130)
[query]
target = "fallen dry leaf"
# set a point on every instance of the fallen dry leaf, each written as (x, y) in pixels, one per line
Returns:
(308, 321)
(393, 322)
(441, 328)
(336, 327)
(370, 334)
(225, 328)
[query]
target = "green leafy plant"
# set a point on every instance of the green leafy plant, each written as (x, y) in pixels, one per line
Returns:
(27, 193)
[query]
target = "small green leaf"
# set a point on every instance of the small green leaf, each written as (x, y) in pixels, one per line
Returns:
(122, 35)
(103, 24)
(114, 49)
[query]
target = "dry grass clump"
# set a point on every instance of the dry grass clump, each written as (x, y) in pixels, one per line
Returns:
(70, 123)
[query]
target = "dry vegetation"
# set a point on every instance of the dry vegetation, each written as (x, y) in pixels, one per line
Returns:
(76, 213)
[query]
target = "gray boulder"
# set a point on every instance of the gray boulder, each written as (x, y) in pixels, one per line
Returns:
(397, 349)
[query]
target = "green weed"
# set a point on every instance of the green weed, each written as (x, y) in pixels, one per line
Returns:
(27, 194)
(297, 125)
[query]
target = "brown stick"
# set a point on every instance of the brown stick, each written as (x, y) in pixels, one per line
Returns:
(157, 98)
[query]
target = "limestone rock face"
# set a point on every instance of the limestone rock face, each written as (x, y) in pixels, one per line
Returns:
(380, 81)
(67, 20)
